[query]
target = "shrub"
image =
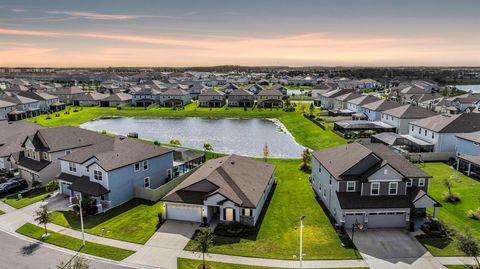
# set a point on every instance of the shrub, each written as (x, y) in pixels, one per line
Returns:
(156, 143)
(48, 118)
(474, 214)
(234, 229)
(453, 197)
(437, 229)
(104, 132)
(119, 108)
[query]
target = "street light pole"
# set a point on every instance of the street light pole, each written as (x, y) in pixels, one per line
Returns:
(79, 197)
(301, 240)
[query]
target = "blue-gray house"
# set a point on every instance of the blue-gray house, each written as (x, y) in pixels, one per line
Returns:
(109, 172)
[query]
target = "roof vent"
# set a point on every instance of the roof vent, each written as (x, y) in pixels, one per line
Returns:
(232, 163)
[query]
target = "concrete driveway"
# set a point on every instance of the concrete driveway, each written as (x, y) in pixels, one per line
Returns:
(390, 248)
(163, 248)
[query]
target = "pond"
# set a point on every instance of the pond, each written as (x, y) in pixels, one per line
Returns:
(239, 136)
(473, 88)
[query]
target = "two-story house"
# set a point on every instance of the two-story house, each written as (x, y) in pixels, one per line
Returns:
(39, 159)
(45, 100)
(89, 99)
(374, 110)
(468, 153)
(370, 185)
(212, 98)
(400, 117)
(107, 173)
(68, 95)
(175, 97)
(270, 99)
(25, 107)
(146, 96)
(5, 108)
(241, 98)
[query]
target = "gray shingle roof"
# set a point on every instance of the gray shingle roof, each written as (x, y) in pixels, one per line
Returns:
(381, 105)
(410, 112)
(474, 137)
(365, 99)
(460, 123)
(13, 135)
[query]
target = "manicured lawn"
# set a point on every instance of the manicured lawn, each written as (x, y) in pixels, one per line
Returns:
(28, 198)
(135, 221)
(440, 246)
(75, 244)
(193, 264)
(1, 212)
(304, 131)
(460, 266)
(453, 215)
(278, 233)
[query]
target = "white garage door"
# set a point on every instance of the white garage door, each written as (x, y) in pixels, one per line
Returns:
(351, 218)
(386, 220)
(184, 212)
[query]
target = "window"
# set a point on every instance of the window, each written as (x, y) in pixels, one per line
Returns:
(67, 152)
(247, 212)
(229, 214)
(28, 153)
(320, 169)
(421, 182)
(137, 167)
(145, 165)
(325, 192)
(146, 182)
(433, 135)
(426, 132)
(350, 186)
(375, 190)
(45, 156)
(413, 128)
(419, 130)
(97, 175)
(409, 182)
(392, 188)
(72, 167)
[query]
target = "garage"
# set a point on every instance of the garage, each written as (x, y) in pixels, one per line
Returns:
(351, 218)
(184, 212)
(386, 219)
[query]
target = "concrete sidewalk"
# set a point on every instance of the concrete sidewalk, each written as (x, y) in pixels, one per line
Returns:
(274, 263)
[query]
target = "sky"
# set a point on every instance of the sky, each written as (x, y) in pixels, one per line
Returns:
(102, 33)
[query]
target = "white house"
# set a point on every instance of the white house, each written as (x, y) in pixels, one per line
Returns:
(400, 117)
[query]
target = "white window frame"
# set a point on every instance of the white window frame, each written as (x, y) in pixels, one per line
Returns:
(421, 182)
(146, 181)
(135, 167)
(145, 164)
(98, 175)
(72, 167)
(354, 186)
(390, 184)
(410, 182)
(378, 189)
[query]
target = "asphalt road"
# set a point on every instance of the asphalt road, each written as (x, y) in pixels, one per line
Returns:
(16, 253)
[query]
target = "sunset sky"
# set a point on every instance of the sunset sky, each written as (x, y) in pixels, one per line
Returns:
(196, 33)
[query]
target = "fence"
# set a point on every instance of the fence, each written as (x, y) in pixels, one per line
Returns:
(430, 156)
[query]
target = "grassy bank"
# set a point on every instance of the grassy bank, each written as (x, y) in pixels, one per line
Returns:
(74, 244)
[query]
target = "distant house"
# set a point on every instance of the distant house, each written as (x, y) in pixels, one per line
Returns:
(400, 117)
(196, 90)
(340, 102)
(89, 99)
(67, 95)
(230, 87)
(241, 98)
(211, 98)
(270, 99)
(374, 110)
(107, 173)
(116, 99)
(175, 97)
(25, 107)
(370, 185)
(227, 189)
(356, 104)
(146, 96)
(281, 88)
(5, 108)
(46, 102)
(254, 88)
(326, 99)
(468, 153)
(11, 138)
(39, 158)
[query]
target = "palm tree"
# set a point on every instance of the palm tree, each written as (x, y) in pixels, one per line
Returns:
(207, 147)
(42, 216)
(266, 152)
(204, 239)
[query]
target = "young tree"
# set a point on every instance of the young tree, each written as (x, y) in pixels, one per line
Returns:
(306, 159)
(447, 182)
(266, 152)
(204, 239)
(42, 216)
(76, 263)
(175, 142)
(468, 245)
(52, 186)
(207, 147)
(311, 109)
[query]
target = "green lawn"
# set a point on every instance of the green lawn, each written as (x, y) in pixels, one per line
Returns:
(460, 266)
(1, 212)
(75, 244)
(28, 198)
(305, 132)
(453, 215)
(193, 264)
(135, 221)
(278, 233)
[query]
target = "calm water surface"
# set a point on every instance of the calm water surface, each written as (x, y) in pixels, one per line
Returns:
(240, 136)
(473, 88)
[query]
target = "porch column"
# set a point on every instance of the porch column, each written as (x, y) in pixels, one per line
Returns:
(435, 213)
(469, 169)
(458, 163)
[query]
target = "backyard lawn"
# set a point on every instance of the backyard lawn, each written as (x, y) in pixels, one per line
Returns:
(1, 212)
(135, 221)
(453, 215)
(278, 233)
(305, 132)
(28, 198)
(75, 244)
(192, 264)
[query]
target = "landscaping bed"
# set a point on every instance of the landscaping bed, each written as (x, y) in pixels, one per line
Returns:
(29, 197)
(75, 244)
(278, 233)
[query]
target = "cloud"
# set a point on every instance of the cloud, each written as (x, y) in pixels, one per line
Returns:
(18, 10)
(102, 16)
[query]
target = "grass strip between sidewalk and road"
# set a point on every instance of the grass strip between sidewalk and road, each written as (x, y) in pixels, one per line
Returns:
(192, 264)
(74, 244)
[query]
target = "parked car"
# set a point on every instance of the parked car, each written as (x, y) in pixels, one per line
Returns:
(13, 186)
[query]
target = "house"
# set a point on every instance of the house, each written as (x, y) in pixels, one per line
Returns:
(67, 95)
(230, 87)
(108, 172)
(340, 102)
(196, 89)
(175, 97)
(212, 98)
(25, 107)
(11, 138)
(468, 153)
(5, 109)
(281, 88)
(441, 130)
(146, 96)
(116, 99)
(356, 104)
(370, 185)
(46, 102)
(374, 110)
(227, 189)
(89, 99)
(270, 99)
(326, 99)
(254, 88)
(400, 117)
(39, 159)
(241, 98)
